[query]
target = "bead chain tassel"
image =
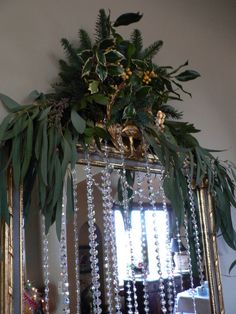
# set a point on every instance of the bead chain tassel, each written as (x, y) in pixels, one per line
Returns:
(124, 187)
(45, 266)
(92, 241)
(171, 290)
(189, 261)
(76, 240)
(63, 259)
(152, 201)
(143, 244)
(196, 232)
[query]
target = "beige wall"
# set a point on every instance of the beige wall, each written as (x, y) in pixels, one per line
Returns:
(202, 31)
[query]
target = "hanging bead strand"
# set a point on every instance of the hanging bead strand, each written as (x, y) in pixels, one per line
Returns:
(152, 202)
(45, 266)
(76, 240)
(189, 262)
(143, 244)
(107, 241)
(63, 259)
(124, 187)
(196, 232)
(92, 241)
(179, 250)
(171, 290)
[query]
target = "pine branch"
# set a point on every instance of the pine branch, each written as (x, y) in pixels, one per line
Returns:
(137, 41)
(152, 50)
(70, 51)
(102, 30)
(171, 112)
(85, 41)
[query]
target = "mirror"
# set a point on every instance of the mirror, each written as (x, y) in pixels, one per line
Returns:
(124, 251)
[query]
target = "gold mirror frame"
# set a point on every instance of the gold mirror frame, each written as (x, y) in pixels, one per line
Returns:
(11, 295)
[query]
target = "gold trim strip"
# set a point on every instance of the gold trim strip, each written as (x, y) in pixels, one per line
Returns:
(210, 250)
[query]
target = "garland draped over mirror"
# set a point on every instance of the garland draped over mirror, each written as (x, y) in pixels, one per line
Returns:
(111, 94)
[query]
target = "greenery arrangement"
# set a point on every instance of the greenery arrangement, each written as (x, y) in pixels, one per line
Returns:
(113, 81)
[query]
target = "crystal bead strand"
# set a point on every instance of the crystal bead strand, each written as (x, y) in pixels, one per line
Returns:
(45, 266)
(76, 240)
(189, 262)
(179, 250)
(196, 232)
(124, 186)
(111, 231)
(143, 244)
(92, 241)
(171, 290)
(63, 259)
(107, 240)
(115, 264)
(152, 201)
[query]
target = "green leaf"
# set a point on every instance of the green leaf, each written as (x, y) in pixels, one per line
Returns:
(44, 154)
(5, 125)
(127, 18)
(100, 99)
(101, 72)
(16, 153)
(187, 75)
(114, 56)
(10, 104)
(58, 218)
(78, 123)
(93, 87)
(106, 43)
(140, 64)
(70, 199)
(87, 67)
(232, 266)
(44, 114)
(100, 57)
(66, 155)
(58, 184)
(28, 149)
(115, 70)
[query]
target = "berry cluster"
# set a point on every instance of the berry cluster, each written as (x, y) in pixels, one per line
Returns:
(147, 76)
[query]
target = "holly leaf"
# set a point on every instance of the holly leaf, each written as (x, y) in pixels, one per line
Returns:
(87, 67)
(101, 72)
(93, 87)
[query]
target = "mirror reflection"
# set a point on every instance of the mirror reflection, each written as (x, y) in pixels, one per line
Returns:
(122, 251)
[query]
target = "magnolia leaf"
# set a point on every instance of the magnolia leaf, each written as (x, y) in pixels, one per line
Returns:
(114, 56)
(101, 72)
(78, 123)
(187, 75)
(87, 67)
(127, 18)
(232, 266)
(93, 87)
(10, 104)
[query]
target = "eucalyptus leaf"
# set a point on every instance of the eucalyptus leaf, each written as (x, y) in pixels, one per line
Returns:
(28, 149)
(78, 122)
(10, 104)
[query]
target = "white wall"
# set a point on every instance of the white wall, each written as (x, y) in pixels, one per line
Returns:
(203, 31)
